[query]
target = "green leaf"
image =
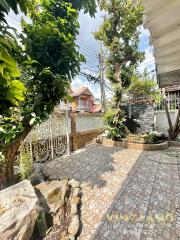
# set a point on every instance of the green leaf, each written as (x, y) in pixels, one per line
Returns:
(5, 5)
(2, 66)
(15, 72)
(7, 58)
(2, 130)
(18, 84)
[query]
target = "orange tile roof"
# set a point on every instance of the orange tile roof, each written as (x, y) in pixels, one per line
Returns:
(80, 91)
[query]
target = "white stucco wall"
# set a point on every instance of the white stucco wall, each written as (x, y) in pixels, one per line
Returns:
(161, 122)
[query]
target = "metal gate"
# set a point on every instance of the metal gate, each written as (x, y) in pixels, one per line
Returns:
(48, 140)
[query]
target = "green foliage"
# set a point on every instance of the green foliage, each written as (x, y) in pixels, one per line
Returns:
(87, 5)
(147, 138)
(119, 33)
(50, 52)
(141, 85)
(25, 163)
(150, 138)
(11, 88)
(14, 5)
(9, 129)
(50, 58)
(115, 127)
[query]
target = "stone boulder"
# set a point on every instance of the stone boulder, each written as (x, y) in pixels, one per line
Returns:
(60, 200)
(52, 195)
(18, 211)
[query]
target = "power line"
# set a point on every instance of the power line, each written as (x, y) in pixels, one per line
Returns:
(142, 64)
(92, 63)
(82, 48)
(87, 47)
(94, 67)
(89, 77)
(88, 52)
(101, 68)
(88, 55)
(92, 70)
(151, 71)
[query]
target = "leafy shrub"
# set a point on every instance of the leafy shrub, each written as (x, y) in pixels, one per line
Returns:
(147, 138)
(25, 163)
(151, 138)
(114, 122)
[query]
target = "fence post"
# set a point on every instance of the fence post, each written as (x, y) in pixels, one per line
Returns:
(67, 128)
(73, 132)
(51, 132)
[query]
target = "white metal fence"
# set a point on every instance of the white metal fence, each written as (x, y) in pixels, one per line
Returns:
(50, 140)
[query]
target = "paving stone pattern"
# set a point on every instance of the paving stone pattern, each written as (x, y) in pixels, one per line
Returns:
(127, 194)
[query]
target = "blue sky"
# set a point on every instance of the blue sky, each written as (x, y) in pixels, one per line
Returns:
(90, 48)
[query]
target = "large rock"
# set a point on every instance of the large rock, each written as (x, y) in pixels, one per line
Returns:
(61, 199)
(52, 194)
(74, 225)
(18, 211)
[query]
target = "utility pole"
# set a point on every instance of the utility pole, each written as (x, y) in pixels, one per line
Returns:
(101, 68)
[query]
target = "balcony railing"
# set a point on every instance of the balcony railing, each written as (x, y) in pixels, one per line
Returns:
(172, 104)
(83, 109)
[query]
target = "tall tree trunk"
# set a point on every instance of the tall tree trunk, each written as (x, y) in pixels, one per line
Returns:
(10, 153)
(118, 74)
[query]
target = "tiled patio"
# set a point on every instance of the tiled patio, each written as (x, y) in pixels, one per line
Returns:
(127, 194)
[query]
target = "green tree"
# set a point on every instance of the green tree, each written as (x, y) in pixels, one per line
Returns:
(119, 33)
(143, 86)
(49, 59)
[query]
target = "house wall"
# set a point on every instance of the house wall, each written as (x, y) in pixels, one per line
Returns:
(161, 122)
(91, 103)
(84, 99)
(74, 104)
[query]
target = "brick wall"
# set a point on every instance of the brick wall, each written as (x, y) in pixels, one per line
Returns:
(80, 139)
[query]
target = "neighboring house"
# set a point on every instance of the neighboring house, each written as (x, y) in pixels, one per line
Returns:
(83, 101)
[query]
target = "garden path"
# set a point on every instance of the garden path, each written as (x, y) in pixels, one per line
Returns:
(126, 194)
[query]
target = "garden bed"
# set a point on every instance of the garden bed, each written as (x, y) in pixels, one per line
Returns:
(130, 145)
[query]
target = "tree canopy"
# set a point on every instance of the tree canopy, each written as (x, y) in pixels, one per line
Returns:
(119, 33)
(50, 57)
